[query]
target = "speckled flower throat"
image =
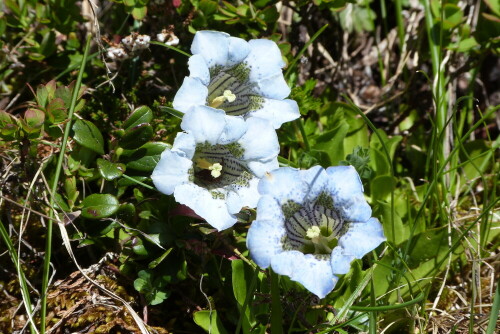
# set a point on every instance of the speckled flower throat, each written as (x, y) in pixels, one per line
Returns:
(312, 227)
(218, 166)
(230, 90)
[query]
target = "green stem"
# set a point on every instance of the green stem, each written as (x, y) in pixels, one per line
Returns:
(48, 240)
(300, 125)
(276, 312)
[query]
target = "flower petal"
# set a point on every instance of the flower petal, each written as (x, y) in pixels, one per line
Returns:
(261, 168)
(185, 142)
(260, 142)
(191, 93)
(264, 241)
(340, 261)
(273, 87)
(171, 171)
(269, 209)
(198, 69)
(213, 210)
(264, 59)
(212, 45)
(284, 184)
(362, 238)
(204, 123)
(314, 274)
(241, 196)
(316, 180)
(234, 129)
(346, 188)
(238, 50)
(277, 111)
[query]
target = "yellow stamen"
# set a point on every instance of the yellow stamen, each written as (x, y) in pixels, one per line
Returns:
(215, 168)
(313, 232)
(226, 96)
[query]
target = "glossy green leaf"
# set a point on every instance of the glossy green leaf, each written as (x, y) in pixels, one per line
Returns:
(87, 135)
(209, 321)
(137, 136)
(146, 158)
(97, 206)
(153, 264)
(110, 170)
(139, 116)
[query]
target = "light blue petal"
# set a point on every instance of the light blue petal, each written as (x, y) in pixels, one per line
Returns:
(185, 142)
(235, 128)
(198, 69)
(340, 261)
(241, 196)
(361, 238)
(264, 59)
(260, 142)
(191, 93)
(277, 111)
(347, 190)
(269, 209)
(264, 241)
(171, 171)
(204, 123)
(273, 87)
(212, 45)
(261, 168)
(238, 50)
(315, 275)
(213, 210)
(284, 184)
(316, 180)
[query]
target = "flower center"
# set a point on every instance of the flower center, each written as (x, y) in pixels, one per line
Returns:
(312, 227)
(219, 167)
(230, 90)
(226, 96)
(215, 168)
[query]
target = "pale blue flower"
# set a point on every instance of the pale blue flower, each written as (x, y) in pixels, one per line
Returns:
(239, 77)
(311, 224)
(215, 165)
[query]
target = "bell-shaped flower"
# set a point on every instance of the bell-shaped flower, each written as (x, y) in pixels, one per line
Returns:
(242, 78)
(311, 224)
(215, 165)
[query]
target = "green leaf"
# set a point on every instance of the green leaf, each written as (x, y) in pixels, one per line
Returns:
(110, 170)
(146, 157)
(87, 135)
(453, 16)
(97, 206)
(332, 142)
(137, 136)
(139, 12)
(153, 264)
(139, 116)
(209, 321)
(242, 281)
(56, 110)
(382, 186)
(34, 119)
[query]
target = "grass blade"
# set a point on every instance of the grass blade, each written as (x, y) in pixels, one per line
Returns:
(48, 241)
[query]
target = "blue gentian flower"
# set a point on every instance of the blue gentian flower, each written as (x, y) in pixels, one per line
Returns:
(242, 78)
(215, 165)
(311, 224)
